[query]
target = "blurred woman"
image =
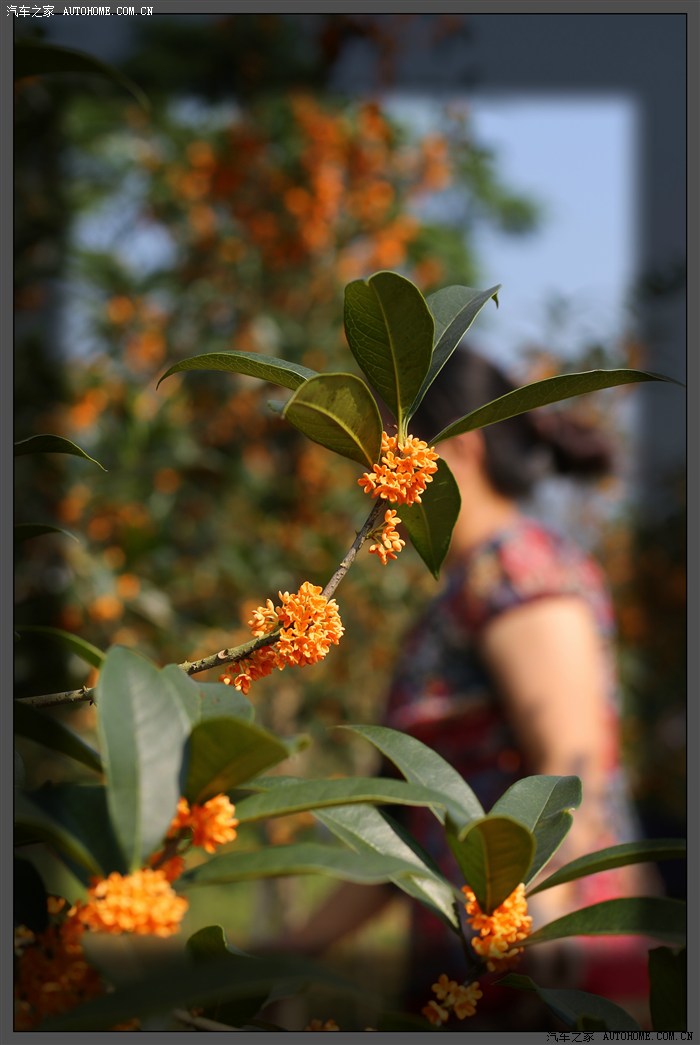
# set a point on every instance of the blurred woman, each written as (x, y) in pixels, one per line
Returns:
(510, 672)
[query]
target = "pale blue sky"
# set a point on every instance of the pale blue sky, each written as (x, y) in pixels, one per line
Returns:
(576, 156)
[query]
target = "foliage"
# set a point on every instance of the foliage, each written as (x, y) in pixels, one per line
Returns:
(169, 757)
(269, 219)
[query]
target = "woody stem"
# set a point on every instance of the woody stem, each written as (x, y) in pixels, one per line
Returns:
(234, 653)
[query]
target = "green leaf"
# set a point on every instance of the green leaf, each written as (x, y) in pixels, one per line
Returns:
(218, 700)
(225, 752)
(659, 917)
(541, 393)
(142, 727)
(339, 412)
(667, 996)
(80, 647)
(317, 794)
(184, 690)
(570, 1006)
(430, 523)
(252, 364)
(300, 858)
(209, 944)
(494, 855)
(35, 58)
(25, 531)
(421, 765)
(72, 820)
(52, 444)
(615, 856)
(369, 830)
(454, 309)
(53, 734)
(390, 332)
(544, 805)
(204, 977)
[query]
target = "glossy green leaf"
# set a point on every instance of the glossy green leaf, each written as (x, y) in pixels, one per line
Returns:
(142, 728)
(541, 393)
(454, 309)
(184, 690)
(570, 1005)
(72, 820)
(251, 364)
(390, 332)
(296, 859)
(421, 765)
(668, 980)
(80, 647)
(339, 412)
(52, 444)
(191, 980)
(36, 58)
(544, 804)
(317, 794)
(494, 855)
(223, 753)
(25, 531)
(430, 523)
(52, 733)
(369, 830)
(659, 917)
(615, 856)
(218, 700)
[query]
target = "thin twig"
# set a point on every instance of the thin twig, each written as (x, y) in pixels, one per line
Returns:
(235, 653)
(200, 1022)
(48, 700)
(349, 558)
(229, 656)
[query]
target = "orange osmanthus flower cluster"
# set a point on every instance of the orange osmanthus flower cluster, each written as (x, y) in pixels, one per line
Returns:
(143, 903)
(389, 544)
(403, 470)
(499, 933)
(322, 1026)
(211, 824)
(52, 975)
(400, 476)
(458, 998)
(309, 624)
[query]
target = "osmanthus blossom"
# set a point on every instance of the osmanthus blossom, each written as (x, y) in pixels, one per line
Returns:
(389, 544)
(309, 624)
(499, 933)
(53, 975)
(212, 823)
(400, 476)
(403, 470)
(453, 997)
(143, 903)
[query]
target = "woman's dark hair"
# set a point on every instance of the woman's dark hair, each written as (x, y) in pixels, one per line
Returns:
(520, 450)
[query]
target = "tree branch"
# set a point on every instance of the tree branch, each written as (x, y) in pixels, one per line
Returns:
(369, 525)
(235, 653)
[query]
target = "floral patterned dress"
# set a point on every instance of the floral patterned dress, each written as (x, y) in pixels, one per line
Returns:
(442, 694)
